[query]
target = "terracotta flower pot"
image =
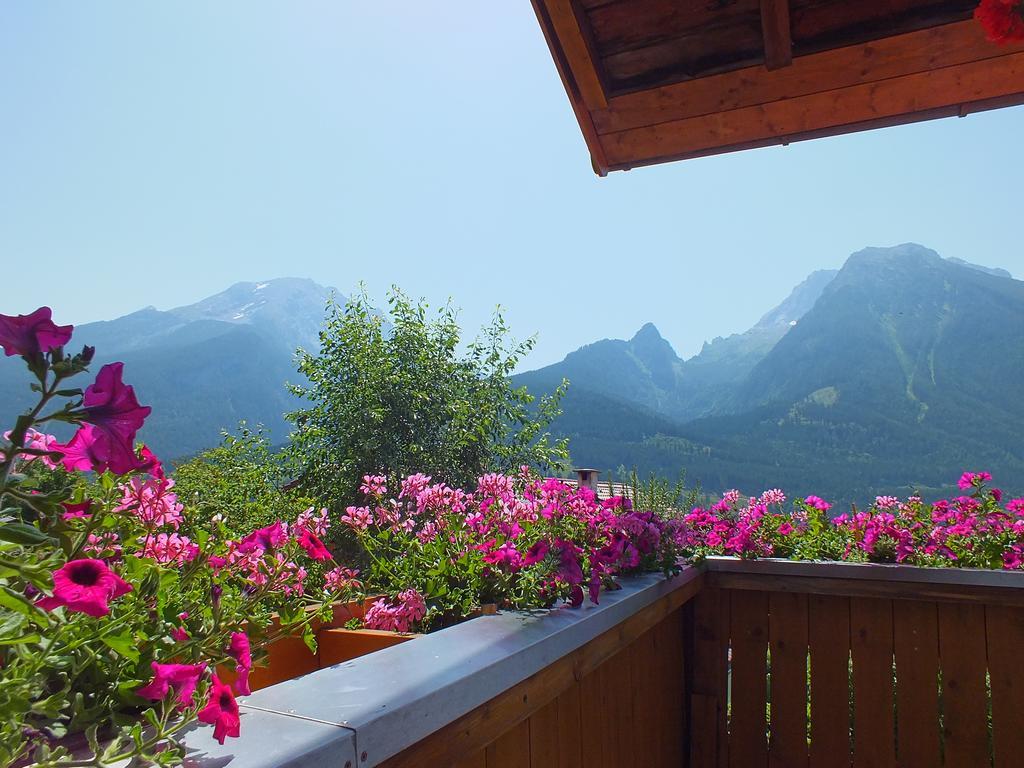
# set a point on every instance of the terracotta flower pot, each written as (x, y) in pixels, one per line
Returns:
(289, 657)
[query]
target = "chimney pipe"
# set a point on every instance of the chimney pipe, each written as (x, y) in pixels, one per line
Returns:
(588, 478)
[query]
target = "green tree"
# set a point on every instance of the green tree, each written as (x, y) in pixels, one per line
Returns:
(242, 482)
(399, 394)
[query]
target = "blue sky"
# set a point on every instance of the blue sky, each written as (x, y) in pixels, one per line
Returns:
(155, 153)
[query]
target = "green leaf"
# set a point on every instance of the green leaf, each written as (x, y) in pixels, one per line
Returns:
(20, 640)
(22, 533)
(309, 638)
(123, 645)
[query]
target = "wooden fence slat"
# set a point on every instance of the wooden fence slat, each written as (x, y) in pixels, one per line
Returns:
(597, 742)
(511, 749)
(616, 706)
(644, 703)
(787, 634)
(829, 632)
(871, 645)
(709, 745)
(669, 692)
(964, 698)
(748, 746)
(916, 642)
(544, 736)
(477, 760)
(570, 746)
(1004, 629)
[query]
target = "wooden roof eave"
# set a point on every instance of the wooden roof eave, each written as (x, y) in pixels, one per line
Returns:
(940, 71)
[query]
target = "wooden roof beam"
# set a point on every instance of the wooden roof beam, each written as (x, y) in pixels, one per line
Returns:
(778, 41)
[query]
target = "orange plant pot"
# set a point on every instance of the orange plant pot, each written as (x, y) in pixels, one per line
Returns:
(289, 657)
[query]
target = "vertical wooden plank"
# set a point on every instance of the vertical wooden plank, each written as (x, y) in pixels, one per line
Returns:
(829, 632)
(748, 746)
(709, 745)
(476, 760)
(964, 698)
(544, 736)
(616, 705)
(787, 635)
(511, 749)
(644, 699)
(597, 742)
(570, 729)
(1004, 632)
(669, 691)
(871, 645)
(916, 638)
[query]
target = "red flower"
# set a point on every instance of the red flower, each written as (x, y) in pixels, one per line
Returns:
(1003, 20)
(86, 586)
(314, 547)
(239, 651)
(221, 711)
(34, 334)
(180, 679)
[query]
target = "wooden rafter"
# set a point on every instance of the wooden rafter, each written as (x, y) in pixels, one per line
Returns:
(778, 41)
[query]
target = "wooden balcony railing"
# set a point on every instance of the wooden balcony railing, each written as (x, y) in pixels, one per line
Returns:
(730, 664)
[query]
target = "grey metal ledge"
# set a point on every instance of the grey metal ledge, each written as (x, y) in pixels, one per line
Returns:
(375, 706)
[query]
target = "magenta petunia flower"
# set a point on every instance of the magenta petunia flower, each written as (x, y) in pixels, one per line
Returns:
(80, 510)
(33, 334)
(179, 679)
(91, 450)
(314, 547)
(111, 407)
(263, 539)
(86, 586)
(240, 652)
(221, 711)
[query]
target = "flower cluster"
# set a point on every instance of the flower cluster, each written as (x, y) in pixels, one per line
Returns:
(115, 590)
(517, 542)
(1003, 20)
(973, 529)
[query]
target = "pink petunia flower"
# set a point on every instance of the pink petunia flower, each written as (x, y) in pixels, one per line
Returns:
(179, 679)
(221, 711)
(239, 650)
(314, 547)
(264, 539)
(86, 586)
(32, 334)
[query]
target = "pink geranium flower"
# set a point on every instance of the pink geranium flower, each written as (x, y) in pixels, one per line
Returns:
(33, 334)
(86, 586)
(240, 652)
(341, 578)
(179, 679)
(221, 711)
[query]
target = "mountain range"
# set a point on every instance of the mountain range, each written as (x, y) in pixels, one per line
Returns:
(892, 374)
(206, 366)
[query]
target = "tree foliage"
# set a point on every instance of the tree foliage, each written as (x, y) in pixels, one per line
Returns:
(401, 394)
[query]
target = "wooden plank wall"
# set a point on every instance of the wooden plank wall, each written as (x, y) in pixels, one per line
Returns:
(628, 712)
(834, 681)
